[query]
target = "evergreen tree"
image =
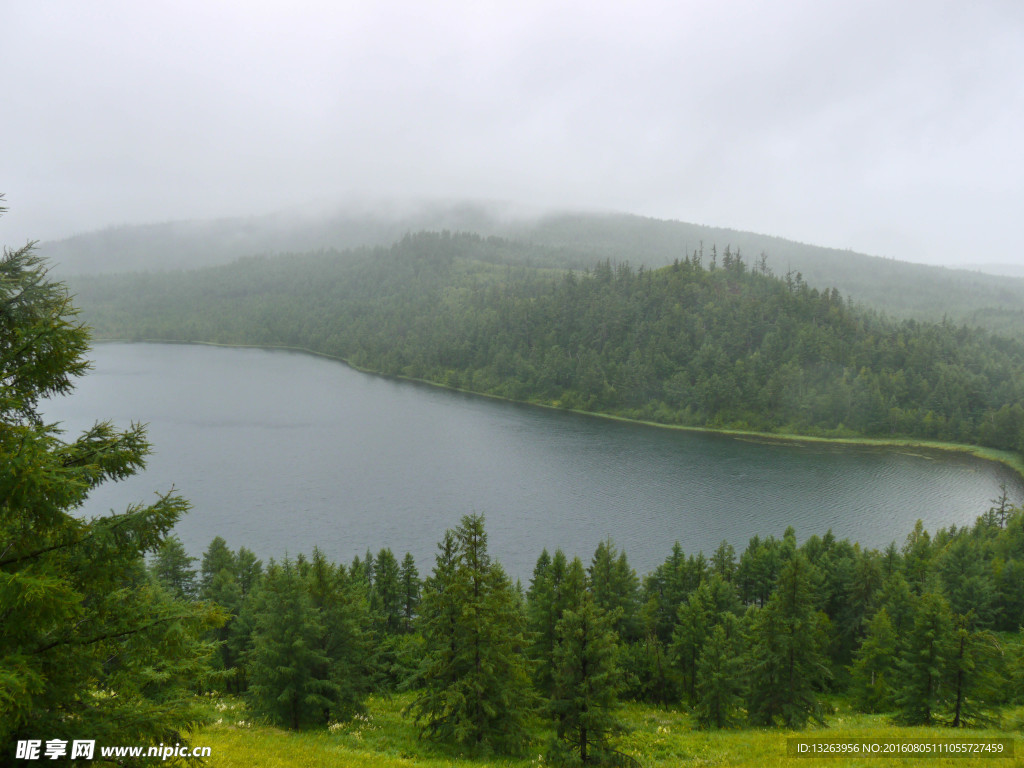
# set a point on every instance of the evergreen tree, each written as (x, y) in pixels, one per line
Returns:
(546, 601)
(475, 685)
(386, 594)
(290, 680)
(975, 664)
(723, 562)
(216, 558)
(874, 666)
(705, 608)
(719, 689)
(968, 581)
(924, 662)
(409, 581)
(344, 613)
(89, 647)
(616, 589)
(664, 591)
(586, 677)
(233, 638)
(248, 570)
(172, 568)
(787, 663)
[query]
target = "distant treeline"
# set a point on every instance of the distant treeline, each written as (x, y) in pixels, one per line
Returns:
(930, 632)
(563, 240)
(711, 341)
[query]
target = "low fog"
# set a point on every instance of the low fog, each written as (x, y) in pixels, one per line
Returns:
(887, 129)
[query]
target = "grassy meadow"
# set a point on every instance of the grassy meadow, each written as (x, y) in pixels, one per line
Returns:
(656, 737)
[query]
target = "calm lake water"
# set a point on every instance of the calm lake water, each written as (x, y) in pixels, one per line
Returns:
(281, 451)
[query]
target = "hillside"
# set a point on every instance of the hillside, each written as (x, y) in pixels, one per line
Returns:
(706, 343)
(573, 240)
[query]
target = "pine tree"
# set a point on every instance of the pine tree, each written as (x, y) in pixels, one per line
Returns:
(719, 689)
(587, 679)
(386, 594)
(787, 663)
(924, 663)
(217, 558)
(89, 647)
(551, 591)
(172, 568)
(616, 589)
(344, 613)
(974, 665)
(409, 580)
(289, 669)
(248, 570)
(541, 621)
(475, 685)
(704, 609)
(874, 666)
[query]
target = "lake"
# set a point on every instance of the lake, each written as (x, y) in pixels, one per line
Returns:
(280, 452)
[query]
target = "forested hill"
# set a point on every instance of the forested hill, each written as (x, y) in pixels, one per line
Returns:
(705, 341)
(572, 239)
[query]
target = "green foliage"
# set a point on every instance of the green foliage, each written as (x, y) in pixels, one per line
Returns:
(719, 691)
(874, 666)
(90, 648)
(925, 660)
(475, 684)
(710, 605)
(616, 589)
(587, 679)
(731, 347)
(172, 568)
(788, 667)
(289, 668)
(409, 581)
(386, 598)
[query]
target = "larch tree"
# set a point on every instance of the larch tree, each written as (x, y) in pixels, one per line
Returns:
(289, 666)
(925, 662)
(475, 687)
(787, 663)
(90, 648)
(586, 676)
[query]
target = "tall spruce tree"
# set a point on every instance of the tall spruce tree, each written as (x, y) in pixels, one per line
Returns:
(719, 690)
(386, 594)
(89, 647)
(925, 662)
(409, 581)
(290, 679)
(475, 688)
(874, 665)
(172, 568)
(974, 665)
(344, 643)
(787, 662)
(616, 589)
(546, 600)
(587, 679)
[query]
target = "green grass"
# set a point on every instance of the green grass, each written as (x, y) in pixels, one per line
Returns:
(658, 738)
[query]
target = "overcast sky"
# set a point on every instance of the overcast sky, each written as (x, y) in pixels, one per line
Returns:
(893, 128)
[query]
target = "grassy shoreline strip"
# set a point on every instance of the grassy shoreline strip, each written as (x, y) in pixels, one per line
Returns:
(1008, 459)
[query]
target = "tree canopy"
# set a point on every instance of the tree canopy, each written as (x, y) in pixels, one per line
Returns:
(90, 647)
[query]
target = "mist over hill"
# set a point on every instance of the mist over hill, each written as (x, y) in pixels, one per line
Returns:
(575, 240)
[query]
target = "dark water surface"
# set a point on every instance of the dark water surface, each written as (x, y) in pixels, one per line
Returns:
(281, 451)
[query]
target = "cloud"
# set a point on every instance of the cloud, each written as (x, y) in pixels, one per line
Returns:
(884, 128)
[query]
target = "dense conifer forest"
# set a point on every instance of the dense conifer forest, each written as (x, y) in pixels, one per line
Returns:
(111, 633)
(928, 631)
(560, 240)
(713, 340)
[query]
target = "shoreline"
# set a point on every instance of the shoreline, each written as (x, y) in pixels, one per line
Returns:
(1012, 461)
